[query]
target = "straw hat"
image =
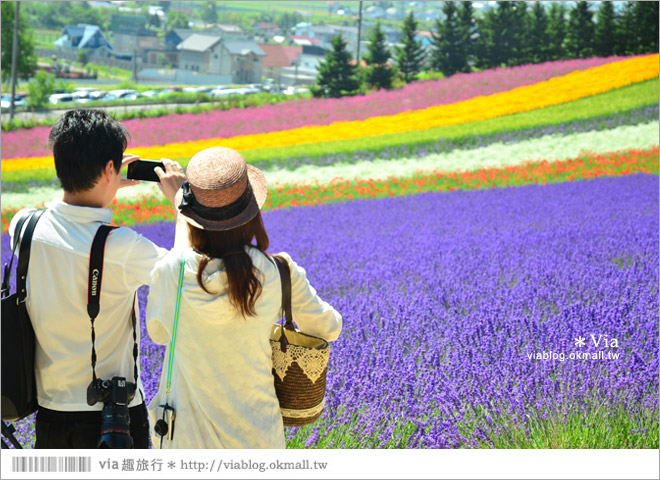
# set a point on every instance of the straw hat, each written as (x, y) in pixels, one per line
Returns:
(222, 191)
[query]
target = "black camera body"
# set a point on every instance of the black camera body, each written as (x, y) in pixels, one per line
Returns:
(115, 394)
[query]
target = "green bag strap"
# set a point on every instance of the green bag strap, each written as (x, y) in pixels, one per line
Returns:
(168, 386)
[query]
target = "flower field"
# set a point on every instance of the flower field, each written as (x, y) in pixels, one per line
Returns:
(470, 230)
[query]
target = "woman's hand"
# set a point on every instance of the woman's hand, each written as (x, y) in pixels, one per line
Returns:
(171, 178)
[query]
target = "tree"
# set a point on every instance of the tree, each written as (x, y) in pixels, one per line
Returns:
(27, 59)
(604, 31)
(520, 39)
(410, 56)
(468, 30)
(83, 56)
(336, 75)
(625, 30)
(495, 44)
(580, 34)
(208, 13)
(504, 36)
(646, 19)
(447, 52)
(556, 31)
(40, 88)
(154, 21)
(379, 74)
(175, 19)
(538, 32)
(56, 15)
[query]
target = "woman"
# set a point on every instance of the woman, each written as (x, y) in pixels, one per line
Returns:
(221, 383)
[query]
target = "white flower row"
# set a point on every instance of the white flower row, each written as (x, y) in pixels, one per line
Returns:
(552, 147)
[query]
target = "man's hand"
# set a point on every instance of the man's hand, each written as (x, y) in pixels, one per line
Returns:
(127, 159)
(171, 178)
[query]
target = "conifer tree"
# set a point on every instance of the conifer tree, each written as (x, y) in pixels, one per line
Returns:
(521, 47)
(625, 30)
(604, 31)
(379, 73)
(410, 56)
(580, 34)
(447, 51)
(468, 29)
(495, 46)
(538, 32)
(484, 44)
(556, 31)
(336, 75)
(646, 20)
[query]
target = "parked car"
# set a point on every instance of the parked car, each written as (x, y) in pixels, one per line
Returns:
(168, 90)
(82, 94)
(294, 90)
(149, 93)
(197, 89)
(97, 94)
(251, 89)
(122, 94)
(19, 102)
(223, 92)
(58, 98)
(84, 90)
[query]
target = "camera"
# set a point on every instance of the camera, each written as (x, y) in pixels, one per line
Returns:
(115, 394)
(165, 425)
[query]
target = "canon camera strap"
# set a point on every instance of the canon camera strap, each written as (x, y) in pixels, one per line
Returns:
(94, 295)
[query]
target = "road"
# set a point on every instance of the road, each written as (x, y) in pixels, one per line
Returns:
(56, 113)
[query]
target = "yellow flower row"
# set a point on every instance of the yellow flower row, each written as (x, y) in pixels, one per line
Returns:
(555, 91)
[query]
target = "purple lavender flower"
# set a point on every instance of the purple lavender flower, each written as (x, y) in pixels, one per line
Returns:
(446, 296)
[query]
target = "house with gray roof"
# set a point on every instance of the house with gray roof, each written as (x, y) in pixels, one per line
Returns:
(243, 60)
(130, 40)
(84, 36)
(200, 53)
(177, 35)
(240, 60)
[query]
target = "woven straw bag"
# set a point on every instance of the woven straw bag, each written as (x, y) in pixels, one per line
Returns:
(300, 363)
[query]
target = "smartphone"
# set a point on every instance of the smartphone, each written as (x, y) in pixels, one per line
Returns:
(144, 170)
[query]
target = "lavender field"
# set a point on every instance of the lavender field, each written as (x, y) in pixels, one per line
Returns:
(462, 313)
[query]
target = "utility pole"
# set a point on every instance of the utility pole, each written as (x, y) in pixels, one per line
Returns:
(357, 56)
(14, 64)
(135, 76)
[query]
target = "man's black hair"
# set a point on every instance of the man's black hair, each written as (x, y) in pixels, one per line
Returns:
(83, 141)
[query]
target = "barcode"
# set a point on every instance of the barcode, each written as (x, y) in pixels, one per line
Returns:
(51, 464)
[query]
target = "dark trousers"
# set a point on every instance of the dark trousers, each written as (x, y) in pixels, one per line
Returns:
(56, 429)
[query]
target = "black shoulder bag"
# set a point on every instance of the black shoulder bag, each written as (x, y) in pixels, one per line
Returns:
(19, 391)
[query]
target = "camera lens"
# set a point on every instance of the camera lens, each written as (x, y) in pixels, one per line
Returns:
(161, 427)
(115, 427)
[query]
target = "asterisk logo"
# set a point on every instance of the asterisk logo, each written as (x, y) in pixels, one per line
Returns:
(171, 465)
(579, 342)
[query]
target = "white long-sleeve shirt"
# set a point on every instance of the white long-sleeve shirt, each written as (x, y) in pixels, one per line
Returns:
(57, 302)
(222, 385)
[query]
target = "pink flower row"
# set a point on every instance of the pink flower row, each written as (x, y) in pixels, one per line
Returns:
(299, 113)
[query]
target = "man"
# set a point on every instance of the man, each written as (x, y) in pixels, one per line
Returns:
(88, 147)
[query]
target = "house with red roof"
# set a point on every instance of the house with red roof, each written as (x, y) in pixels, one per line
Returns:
(305, 40)
(277, 57)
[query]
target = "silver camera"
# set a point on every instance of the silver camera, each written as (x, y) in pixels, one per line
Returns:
(165, 425)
